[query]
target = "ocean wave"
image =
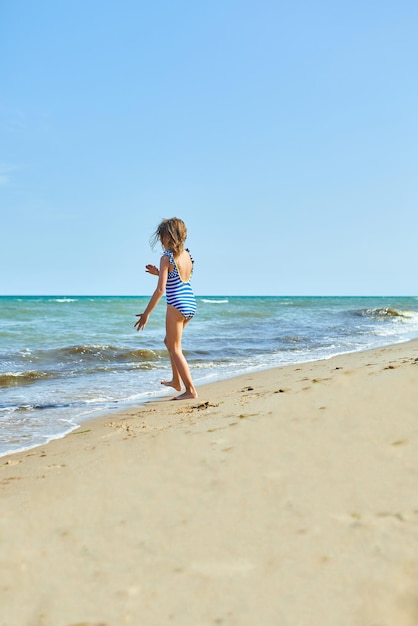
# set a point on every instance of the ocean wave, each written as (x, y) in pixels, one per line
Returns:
(386, 313)
(45, 406)
(63, 300)
(32, 377)
(77, 354)
(224, 301)
(75, 361)
(87, 352)
(15, 379)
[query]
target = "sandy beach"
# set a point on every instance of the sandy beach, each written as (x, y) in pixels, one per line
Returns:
(286, 497)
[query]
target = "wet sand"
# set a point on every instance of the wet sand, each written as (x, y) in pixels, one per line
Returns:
(286, 497)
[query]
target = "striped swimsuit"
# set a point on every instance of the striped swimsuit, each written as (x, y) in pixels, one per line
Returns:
(179, 293)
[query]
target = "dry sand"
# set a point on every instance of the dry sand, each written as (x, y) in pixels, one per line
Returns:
(287, 497)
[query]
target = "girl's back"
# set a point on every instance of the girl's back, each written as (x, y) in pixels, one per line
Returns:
(184, 265)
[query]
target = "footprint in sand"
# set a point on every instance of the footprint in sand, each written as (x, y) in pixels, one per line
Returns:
(11, 462)
(204, 405)
(6, 481)
(358, 520)
(122, 427)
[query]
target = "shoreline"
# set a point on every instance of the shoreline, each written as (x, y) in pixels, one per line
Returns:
(296, 481)
(123, 406)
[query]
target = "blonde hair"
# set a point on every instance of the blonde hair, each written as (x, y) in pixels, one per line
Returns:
(174, 232)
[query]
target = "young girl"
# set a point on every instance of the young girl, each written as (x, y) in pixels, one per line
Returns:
(176, 266)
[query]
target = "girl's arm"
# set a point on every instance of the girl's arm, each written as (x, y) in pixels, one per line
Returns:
(156, 296)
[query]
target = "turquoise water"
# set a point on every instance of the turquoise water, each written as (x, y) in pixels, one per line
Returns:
(65, 359)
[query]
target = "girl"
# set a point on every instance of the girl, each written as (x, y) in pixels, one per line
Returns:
(176, 267)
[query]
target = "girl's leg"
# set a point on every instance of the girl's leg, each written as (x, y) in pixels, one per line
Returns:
(175, 380)
(175, 323)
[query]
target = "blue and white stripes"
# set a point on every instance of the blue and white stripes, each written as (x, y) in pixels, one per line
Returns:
(179, 293)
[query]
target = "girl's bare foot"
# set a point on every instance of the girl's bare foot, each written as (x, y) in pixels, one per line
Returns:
(187, 395)
(171, 383)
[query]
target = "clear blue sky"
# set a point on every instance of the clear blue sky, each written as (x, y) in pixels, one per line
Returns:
(285, 134)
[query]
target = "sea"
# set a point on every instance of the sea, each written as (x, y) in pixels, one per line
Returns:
(66, 359)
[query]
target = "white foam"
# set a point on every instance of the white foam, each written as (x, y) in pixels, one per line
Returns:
(37, 444)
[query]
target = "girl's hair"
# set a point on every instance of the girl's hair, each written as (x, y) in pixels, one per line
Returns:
(174, 233)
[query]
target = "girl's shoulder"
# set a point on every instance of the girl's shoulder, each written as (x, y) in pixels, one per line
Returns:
(185, 253)
(168, 254)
